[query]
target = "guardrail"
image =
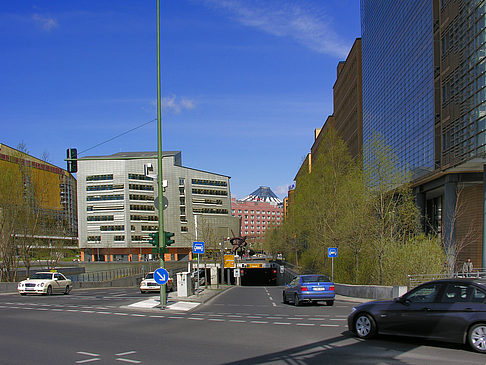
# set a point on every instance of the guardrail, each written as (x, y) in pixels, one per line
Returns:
(109, 275)
(415, 280)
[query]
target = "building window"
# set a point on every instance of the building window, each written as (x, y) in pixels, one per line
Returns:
(112, 228)
(210, 210)
(209, 192)
(94, 239)
(99, 177)
(95, 198)
(139, 177)
(119, 238)
(141, 187)
(181, 181)
(208, 182)
(141, 197)
(99, 218)
(103, 187)
(142, 207)
(184, 229)
(143, 217)
(150, 228)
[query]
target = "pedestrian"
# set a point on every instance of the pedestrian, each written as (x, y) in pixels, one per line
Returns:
(467, 267)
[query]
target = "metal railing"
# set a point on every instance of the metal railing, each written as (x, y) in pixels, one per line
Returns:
(109, 275)
(415, 280)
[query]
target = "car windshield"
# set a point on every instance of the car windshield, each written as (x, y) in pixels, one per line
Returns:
(150, 275)
(315, 279)
(42, 275)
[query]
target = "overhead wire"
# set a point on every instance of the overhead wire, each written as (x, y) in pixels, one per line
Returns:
(122, 134)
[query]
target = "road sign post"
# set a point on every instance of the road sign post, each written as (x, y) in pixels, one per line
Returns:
(332, 252)
(198, 247)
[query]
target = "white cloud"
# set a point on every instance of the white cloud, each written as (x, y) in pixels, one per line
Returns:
(174, 104)
(45, 22)
(309, 26)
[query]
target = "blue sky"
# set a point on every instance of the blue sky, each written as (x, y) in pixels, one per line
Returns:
(244, 82)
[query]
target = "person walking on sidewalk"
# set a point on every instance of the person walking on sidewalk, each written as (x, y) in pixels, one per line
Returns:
(467, 267)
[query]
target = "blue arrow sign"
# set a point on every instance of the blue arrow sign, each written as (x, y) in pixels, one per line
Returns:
(161, 276)
(332, 251)
(198, 247)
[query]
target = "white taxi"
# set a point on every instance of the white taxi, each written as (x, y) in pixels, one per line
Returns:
(149, 284)
(45, 283)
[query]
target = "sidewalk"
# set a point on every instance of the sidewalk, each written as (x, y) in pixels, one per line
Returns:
(180, 303)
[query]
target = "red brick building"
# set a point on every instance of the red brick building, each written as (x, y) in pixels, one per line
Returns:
(257, 213)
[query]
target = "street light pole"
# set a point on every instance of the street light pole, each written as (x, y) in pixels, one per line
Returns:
(159, 164)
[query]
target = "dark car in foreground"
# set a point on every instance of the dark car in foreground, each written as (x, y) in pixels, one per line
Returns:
(311, 288)
(452, 310)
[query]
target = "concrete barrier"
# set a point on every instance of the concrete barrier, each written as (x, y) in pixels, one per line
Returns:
(370, 291)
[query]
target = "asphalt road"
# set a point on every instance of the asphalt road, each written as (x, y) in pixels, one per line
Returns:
(244, 325)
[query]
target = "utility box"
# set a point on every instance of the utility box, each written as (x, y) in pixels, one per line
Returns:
(184, 284)
(214, 275)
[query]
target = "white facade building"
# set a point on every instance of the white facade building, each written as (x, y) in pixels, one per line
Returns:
(116, 211)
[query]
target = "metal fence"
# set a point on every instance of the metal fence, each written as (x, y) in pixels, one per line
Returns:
(108, 275)
(415, 280)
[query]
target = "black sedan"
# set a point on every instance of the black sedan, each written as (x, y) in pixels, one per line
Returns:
(452, 310)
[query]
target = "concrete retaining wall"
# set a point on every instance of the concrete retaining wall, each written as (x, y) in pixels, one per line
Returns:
(370, 291)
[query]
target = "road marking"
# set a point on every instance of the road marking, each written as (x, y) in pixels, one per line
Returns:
(87, 360)
(138, 315)
(215, 319)
(273, 303)
(95, 358)
(305, 324)
(173, 317)
(235, 316)
(101, 312)
(196, 318)
(128, 360)
(237, 321)
(126, 353)
(254, 317)
(121, 314)
(87, 353)
(295, 318)
(329, 325)
(72, 310)
(157, 316)
(259, 322)
(337, 319)
(282, 323)
(87, 311)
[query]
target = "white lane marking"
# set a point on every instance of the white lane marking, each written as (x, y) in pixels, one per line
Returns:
(270, 298)
(216, 320)
(87, 311)
(260, 322)
(237, 321)
(87, 360)
(138, 315)
(157, 316)
(282, 323)
(196, 318)
(274, 317)
(254, 317)
(295, 318)
(126, 353)
(216, 315)
(128, 360)
(305, 324)
(87, 353)
(120, 314)
(101, 312)
(173, 317)
(72, 310)
(273, 303)
(337, 319)
(329, 325)
(234, 316)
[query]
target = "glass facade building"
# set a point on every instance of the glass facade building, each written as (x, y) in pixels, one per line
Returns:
(398, 80)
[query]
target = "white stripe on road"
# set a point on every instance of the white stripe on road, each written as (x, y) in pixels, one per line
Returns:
(329, 325)
(282, 323)
(126, 353)
(305, 324)
(128, 360)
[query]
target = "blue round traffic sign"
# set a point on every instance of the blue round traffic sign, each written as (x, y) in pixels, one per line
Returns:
(161, 276)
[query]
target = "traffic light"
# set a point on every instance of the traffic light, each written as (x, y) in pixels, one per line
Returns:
(154, 241)
(168, 238)
(72, 160)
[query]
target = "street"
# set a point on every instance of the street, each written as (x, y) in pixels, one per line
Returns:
(244, 325)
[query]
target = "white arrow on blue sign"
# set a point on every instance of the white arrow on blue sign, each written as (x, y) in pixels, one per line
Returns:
(332, 252)
(198, 247)
(161, 276)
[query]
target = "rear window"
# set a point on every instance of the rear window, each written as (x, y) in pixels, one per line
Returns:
(315, 279)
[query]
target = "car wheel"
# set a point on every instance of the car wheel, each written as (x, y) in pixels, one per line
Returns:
(22, 293)
(365, 326)
(67, 290)
(284, 298)
(477, 337)
(142, 292)
(296, 300)
(49, 290)
(330, 302)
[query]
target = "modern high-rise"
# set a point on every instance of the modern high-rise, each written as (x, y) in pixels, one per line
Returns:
(423, 66)
(116, 196)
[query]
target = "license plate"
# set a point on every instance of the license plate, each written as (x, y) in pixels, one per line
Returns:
(319, 289)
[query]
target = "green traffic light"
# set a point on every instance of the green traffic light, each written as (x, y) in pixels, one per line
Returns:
(168, 238)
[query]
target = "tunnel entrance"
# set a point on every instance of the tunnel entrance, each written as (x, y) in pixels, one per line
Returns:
(259, 277)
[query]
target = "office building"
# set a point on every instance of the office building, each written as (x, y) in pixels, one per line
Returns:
(116, 196)
(423, 67)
